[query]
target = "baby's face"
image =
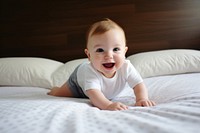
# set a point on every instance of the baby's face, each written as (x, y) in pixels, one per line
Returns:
(107, 51)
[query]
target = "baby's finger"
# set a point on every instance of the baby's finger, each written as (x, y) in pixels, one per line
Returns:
(146, 103)
(123, 107)
(153, 103)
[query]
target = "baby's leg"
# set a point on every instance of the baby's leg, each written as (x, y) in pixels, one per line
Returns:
(62, 91)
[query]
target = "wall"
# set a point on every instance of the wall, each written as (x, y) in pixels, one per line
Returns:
(56, 29)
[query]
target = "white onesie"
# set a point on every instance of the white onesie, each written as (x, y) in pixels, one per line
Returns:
(86, 77)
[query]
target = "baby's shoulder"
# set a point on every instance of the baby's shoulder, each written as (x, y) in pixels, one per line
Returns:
(86, 67)
(127, 64)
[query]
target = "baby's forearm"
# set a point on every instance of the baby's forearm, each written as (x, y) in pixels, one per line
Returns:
(142, 96)
(98, 99)
(140, 92)
(101, 104)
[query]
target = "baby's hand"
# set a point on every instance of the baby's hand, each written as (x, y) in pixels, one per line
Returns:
(117, 106)
(145, 102)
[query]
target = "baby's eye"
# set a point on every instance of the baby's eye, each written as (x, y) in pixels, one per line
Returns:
(116, 49)
(99, 50)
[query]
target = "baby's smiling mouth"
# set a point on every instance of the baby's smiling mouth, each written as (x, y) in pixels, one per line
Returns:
(108, 65)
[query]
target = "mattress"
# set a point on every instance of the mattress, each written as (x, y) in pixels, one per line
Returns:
(30, 109)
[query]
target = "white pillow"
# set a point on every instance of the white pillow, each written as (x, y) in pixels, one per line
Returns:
(27, 71)
(166, 62)
(62, 74)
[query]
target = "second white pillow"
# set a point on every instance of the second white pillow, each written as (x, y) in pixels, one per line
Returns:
(166, 62)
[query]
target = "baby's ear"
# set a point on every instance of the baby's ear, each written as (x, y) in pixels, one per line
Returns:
(87, 53)
(126, 49)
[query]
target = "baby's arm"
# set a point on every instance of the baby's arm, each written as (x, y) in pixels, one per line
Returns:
(142, 96)
(99, 100)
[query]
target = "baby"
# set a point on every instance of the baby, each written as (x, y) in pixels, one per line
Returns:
(107, 73)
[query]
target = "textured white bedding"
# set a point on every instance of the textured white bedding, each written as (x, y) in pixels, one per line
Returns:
(30, 110)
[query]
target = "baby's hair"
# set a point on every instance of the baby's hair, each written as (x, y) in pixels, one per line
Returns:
(101, 27)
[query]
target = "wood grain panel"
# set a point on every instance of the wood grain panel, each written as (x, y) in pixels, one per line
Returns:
(56, 29)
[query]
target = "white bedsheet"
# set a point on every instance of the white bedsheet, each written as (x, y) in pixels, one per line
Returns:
(30, 110)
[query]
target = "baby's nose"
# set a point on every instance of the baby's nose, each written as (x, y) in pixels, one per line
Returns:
(108, 54)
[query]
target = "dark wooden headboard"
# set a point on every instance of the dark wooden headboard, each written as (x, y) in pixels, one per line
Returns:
(56, 29)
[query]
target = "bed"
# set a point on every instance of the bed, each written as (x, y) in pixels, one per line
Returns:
(171, 76)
